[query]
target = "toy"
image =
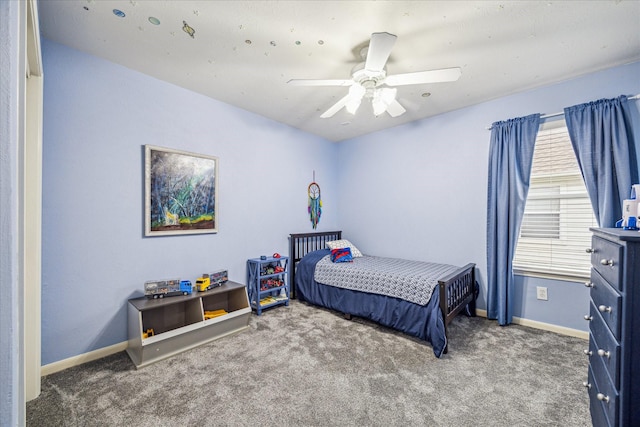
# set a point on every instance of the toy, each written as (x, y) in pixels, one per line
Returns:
(213, 280)
(266, 284)
(272, 268)
(214, 313)
(631, 210)
(267, 300)
(166, 288)
(203, 283)
(219, 278)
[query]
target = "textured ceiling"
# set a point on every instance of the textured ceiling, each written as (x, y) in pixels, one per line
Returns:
(244, 52)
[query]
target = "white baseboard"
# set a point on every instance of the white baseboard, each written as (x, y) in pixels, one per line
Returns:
(82, 358)
(544, 326)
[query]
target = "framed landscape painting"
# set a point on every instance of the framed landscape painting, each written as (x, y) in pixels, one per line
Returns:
(180, 192)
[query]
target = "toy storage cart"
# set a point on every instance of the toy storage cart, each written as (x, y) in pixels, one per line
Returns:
(267, 282)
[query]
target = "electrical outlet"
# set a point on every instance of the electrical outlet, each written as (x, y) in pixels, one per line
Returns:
(541, 292)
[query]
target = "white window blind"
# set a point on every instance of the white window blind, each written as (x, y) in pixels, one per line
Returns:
(557, 216)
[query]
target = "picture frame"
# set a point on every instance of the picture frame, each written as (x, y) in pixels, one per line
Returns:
(181, 192)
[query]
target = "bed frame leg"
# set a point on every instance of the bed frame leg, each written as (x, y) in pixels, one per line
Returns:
(347, 316)
(472, 304)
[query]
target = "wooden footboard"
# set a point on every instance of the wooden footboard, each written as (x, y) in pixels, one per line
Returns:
(301, 244)
(456, 291)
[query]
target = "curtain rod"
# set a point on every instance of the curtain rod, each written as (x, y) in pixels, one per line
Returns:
(548, 116)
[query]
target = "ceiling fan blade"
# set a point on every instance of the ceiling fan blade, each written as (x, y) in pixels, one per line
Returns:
(379, 50)
(335, 107)
(420, 77)
(395, 109)
(312, 82)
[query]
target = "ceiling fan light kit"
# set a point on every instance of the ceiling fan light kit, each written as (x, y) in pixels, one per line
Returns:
(370, 80)
(382, 98)
(356, 92)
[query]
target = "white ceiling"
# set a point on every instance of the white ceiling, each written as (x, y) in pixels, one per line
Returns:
(244, 52)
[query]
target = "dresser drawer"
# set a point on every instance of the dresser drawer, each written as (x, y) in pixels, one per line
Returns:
(598, 415)
(603, 391)
(607, 301)
(605, 259)
(603, 347)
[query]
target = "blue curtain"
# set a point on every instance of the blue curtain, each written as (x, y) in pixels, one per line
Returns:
(510, 158)
(602, 139)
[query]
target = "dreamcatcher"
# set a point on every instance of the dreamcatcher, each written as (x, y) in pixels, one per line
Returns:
(315, 202)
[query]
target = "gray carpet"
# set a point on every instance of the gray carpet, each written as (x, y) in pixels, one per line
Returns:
(305, 366)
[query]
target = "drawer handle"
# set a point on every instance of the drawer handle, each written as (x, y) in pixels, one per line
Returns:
(587, 352)
(589, 284)
(588, 317)
(603, 353)
(604, 309)
(586, 384)
(608, 262)
(590, 251)
(601, 397)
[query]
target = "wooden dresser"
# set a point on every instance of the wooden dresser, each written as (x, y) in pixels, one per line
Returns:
(614, 333)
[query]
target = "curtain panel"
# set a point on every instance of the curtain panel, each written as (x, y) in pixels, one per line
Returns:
(602, 137)
(510, 159)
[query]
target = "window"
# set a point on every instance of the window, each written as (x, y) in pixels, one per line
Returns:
(557, 216)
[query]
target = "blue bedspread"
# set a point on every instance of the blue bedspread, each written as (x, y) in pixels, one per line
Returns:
(424, 322)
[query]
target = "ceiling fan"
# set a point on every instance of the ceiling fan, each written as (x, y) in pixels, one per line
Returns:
(370, 80)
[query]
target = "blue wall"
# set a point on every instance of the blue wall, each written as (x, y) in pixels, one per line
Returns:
(412, 191)
(419, 190)
(97, 118)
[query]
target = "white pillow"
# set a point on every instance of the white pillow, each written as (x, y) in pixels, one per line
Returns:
(344, 243)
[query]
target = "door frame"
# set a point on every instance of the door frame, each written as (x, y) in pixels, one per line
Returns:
(32, 204)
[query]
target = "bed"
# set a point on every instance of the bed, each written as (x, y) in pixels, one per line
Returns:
(453, 292)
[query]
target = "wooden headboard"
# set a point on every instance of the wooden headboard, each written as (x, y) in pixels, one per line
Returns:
(301, 244)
